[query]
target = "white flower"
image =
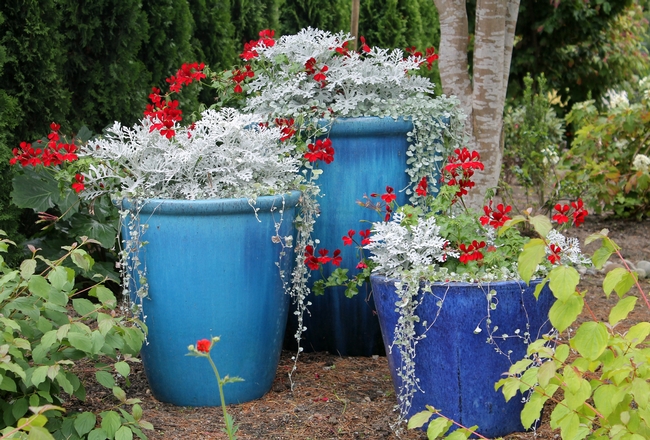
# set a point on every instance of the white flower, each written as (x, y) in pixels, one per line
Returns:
(641, 163)
(614, 99)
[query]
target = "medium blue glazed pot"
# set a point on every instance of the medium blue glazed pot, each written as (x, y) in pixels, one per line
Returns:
(211, 269)
(456, 366)
(370, 154)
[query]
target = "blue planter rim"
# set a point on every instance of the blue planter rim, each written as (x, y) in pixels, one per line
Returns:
(213, 206)
(371, 126)
(385, 279)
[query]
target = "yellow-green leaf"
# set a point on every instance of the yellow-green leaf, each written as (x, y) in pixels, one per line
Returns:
(542, 224)
(418, 420)
(620, 311)
(564, 313)
(563, 281)
(590, 340)
(532, 255)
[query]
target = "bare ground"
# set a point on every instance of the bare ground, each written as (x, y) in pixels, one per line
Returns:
(347, 397)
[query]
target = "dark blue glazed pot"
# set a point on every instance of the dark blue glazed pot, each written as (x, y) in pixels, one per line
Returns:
(370, 154)
(456, 366)
(211, 269)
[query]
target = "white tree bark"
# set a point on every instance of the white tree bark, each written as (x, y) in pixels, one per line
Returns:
(482, 96)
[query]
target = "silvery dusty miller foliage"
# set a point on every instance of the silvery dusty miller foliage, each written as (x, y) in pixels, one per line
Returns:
(225, 154)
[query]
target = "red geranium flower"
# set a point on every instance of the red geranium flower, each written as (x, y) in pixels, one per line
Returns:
(495, 218)
(555, 254)
(203, 345)
(389, 196)
(421, 190)
(561, 217)
(78, 186)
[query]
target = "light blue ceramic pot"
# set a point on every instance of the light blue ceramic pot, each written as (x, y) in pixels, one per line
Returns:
(370, 154)
(211, 269)
(456, 367)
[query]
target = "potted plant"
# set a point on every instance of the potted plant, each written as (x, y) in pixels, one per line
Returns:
(454, 311)
(369, 117)
(208, 212)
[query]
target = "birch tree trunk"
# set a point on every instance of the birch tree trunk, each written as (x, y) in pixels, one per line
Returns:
(482, 96)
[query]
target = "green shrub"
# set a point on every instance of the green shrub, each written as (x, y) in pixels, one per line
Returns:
(46, 326)
(609, 154)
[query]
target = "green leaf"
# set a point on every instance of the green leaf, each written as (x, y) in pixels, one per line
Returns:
(437, 428)
(546, 373)
(532, 410)
(110, 423)
(124, 433)
(62, 278)
(20, 407)
(39, 375)
(563, 281)
(105, 378)
(532, 255)
(81, 342)
(83, 306)
(103, 231)
(84, 423)
(35, 188)
(618, 279)
(119, 394)
(39, 286)
(590, 340)
(638, 333)
(27, 268)
(64, 383)
(600, 257)
(418, 420)
(574, 400)
(123, 368)
(137, 412)
(620, 311)
(134, 339)
(564, 313)
(39, 433)
(97, 434)
(542, 224)
(81, 259)
(105, 296)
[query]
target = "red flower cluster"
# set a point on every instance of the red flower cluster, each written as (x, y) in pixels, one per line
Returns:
(429, 57)
(319, 74)
(239, 76)
(163, 114)
(578, 213)
(364, 47)
(185, 75)
(555, 253)
(364, 233)
(203, 346)
(421, 190)
(322, 150)
(313, 262)
(78, 185)
(343, 49)
(461, 169)
(266, 39)
(495, 218)
(471, 252)
(286, 127)
(54, 153)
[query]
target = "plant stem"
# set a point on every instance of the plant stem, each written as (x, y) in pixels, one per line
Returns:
(223, 400)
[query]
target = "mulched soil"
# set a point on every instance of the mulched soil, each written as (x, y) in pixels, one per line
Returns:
(346, 397)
